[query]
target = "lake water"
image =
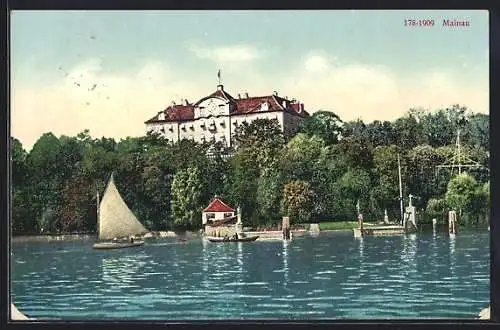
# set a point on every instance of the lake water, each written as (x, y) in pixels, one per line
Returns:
(333, 275)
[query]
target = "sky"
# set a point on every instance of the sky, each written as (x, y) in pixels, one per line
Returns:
(109, 71)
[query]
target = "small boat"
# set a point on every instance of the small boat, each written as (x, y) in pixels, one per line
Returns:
(117, 245)
(117, 225)
(231, 239)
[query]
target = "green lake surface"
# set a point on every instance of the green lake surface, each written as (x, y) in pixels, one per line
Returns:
(329, 276)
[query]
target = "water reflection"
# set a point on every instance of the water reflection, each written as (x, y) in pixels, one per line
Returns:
(205, 261)
(452, 255)
(409, 254)
(285, 261)
(329, 276)
(361, 248)
(119, 272)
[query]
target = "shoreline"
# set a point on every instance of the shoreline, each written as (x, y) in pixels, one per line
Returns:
(159, 234)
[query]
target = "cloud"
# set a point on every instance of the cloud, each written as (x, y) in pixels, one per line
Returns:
(86, 97)
(371, 92)
(117, 104)
(229, 54)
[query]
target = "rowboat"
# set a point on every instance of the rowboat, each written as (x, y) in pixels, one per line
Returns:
(231, 239)
(117, 245)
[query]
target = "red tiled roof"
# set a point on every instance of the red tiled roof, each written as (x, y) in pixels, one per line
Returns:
(217, 206)
(176, 112)
(253, 104)
(220, 93)
(246, 105)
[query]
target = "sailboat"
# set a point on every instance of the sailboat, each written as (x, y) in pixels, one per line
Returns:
(116, 224)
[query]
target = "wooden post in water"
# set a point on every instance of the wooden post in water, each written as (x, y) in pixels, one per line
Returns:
(452, 222)
(434, 225)
(285, 227)
(360, 222)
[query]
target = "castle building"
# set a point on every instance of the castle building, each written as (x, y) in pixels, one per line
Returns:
(215, 117)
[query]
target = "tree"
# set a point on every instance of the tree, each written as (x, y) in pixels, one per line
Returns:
(243, 185)
(355, 185)
(386, 189)
(478, 129)
(353, 153)
(261, 140)
(438, 129)
(73, 212)
(460, 193)
(436, 208)
(422, 163)
(323, 124)
(299, 157)
(18, 160)
(297, 201)
(408, 132)
(186, 203)
(44, 180)
(380, 133)
(268, 196)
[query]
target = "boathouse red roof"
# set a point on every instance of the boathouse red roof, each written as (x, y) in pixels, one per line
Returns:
(216, 205)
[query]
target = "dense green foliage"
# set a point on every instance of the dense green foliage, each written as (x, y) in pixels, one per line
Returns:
(317, 175)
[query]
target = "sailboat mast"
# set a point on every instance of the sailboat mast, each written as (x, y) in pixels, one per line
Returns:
(400, 191)
(458, 148)
(97, 212)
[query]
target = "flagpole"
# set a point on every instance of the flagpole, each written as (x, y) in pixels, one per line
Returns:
(400, 192)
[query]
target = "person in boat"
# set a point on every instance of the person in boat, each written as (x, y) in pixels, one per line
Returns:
(226, 237)
(131, 239)
(235, 236)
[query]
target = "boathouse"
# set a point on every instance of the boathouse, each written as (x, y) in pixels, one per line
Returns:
(218, 218)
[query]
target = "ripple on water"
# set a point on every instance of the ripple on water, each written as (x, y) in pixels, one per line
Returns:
(397, 281)
(247, 284)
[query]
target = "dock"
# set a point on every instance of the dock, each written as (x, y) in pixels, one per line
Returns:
(379, 231)
(275, 235)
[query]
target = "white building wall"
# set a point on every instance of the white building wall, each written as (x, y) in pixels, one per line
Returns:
(237, 120)
(218, 216)
(221, 128)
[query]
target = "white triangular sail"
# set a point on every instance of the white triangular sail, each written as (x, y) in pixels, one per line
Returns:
(115, 218)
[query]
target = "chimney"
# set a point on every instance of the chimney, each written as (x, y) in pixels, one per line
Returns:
(186, 102)
(284, 104)
(220, 87)
(173, 103)
(275, 93)
(239, 96)
(246, 95)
